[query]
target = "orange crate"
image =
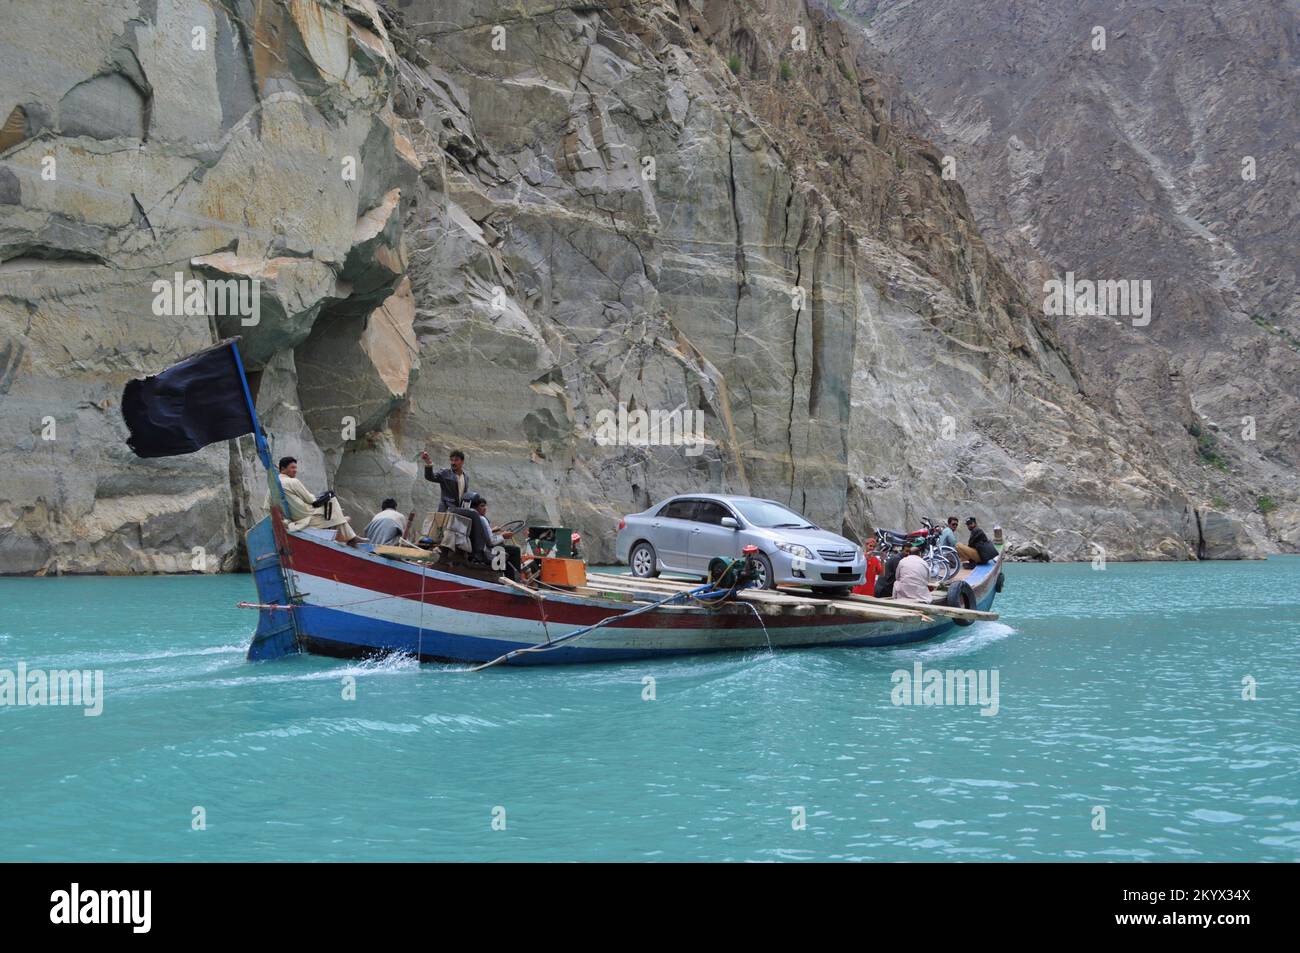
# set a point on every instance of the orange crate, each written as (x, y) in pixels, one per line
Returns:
(563, 572)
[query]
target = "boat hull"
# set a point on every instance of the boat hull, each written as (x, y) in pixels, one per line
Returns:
(350, 603)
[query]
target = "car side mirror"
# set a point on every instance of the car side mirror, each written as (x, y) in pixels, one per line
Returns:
(729, 522)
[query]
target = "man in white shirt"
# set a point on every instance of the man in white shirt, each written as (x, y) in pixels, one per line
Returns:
(303, 512)
(388, 526)
(913, 580)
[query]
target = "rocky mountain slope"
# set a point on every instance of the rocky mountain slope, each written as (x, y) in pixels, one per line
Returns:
(483, 224)
(1157, 140)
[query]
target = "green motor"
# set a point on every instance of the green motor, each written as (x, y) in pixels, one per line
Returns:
(730, 573)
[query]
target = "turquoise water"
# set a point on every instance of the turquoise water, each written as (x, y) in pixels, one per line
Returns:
(1118, 689)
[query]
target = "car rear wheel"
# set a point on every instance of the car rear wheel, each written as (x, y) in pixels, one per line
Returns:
(643, 560)
(763, 570)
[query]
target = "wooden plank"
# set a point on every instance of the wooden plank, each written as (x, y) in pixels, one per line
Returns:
(613, 582)
(637, 580)
(405, 552)
(881, 613)
(789, 598)
(883, 610)
(609, 595)
(936, 608)
(887, 611)
(921, 615)
(633, 582)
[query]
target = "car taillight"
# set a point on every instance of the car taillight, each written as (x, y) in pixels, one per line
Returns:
(622, 524)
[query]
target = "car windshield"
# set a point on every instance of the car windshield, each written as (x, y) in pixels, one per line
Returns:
(770, 515)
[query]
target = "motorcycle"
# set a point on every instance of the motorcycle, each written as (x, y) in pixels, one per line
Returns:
(942, 561)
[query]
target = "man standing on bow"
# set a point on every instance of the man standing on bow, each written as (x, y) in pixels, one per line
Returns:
(452, 481)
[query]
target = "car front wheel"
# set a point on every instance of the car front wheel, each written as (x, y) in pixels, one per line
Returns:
(643, 561)
(763, 569)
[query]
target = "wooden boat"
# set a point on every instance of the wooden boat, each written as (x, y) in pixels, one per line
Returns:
(319, 596)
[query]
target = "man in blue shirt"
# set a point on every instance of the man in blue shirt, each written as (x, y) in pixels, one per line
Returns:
(949, 535)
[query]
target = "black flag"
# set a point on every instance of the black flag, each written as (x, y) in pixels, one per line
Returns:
(199, 401)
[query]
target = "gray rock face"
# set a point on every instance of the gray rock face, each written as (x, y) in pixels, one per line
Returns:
(1152, 142)
(1223, 537)
(163, 143)
(491, 226)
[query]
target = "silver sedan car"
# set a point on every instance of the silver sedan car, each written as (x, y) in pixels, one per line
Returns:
(681, 535)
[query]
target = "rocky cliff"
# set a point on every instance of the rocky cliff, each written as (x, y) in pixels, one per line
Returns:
(1153, 141)
(488, 225)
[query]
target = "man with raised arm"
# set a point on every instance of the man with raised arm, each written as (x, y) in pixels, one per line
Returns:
(452, 481)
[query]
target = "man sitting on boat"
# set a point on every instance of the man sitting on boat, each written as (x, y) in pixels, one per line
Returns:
(307, 511)
(453, 481)
(913, 578)
(388, 525)
(981, 549)
(885, 584)
(948, 536)
(496, 537)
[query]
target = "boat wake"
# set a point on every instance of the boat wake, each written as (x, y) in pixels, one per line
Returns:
(391, 664)
(108, 658)
(965, 641)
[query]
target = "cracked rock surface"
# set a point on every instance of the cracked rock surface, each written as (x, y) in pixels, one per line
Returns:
(478, 224)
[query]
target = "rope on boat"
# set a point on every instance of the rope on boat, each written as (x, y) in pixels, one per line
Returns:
(419, 639)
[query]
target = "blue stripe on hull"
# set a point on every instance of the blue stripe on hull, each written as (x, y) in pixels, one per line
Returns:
(332, 632)
(276, 635)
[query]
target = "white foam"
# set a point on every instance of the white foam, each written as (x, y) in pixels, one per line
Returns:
(99, 659)
(964, 641)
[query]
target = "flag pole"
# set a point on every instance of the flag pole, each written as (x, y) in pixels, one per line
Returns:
(263, 450)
